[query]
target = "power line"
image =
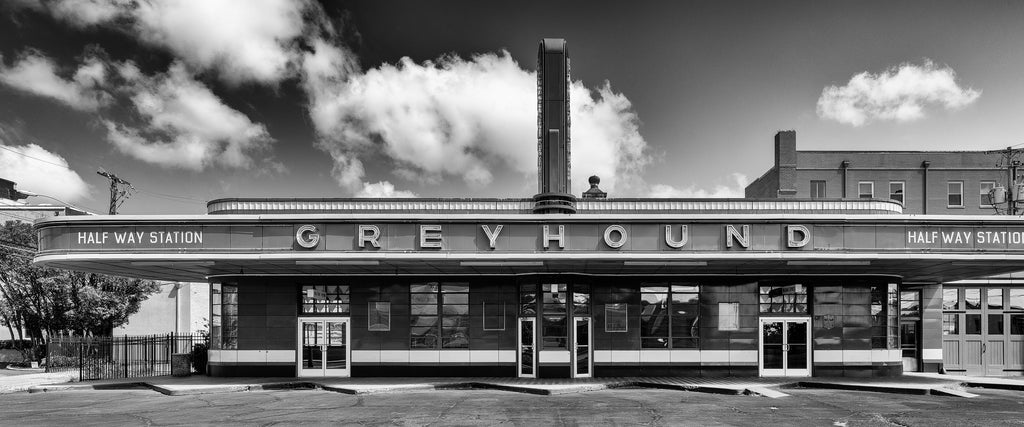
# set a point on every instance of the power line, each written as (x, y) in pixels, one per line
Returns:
(120, 190)
(170, 196)
(34, 158)
(25, 218)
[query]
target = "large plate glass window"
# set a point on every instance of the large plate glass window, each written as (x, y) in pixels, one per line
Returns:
(554, 326)
(439, 315)
(885, 316)
(224, 316)
(776, 299)
(325, 299)
(669, 315)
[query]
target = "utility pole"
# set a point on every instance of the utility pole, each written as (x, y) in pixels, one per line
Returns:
(1010, 159)
(120, 190)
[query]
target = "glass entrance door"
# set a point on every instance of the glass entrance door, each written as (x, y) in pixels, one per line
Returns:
(323, 347)
(785, 349)
(581, 350)
(527, 347)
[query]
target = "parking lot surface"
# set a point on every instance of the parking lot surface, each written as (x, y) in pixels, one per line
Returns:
(812, 407)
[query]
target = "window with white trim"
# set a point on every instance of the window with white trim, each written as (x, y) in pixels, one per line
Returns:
(866, 189)
(955, 194)
(817, 189)
(985, 193)
(896, 189)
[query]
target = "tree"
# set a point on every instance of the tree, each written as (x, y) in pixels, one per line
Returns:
(47, 301)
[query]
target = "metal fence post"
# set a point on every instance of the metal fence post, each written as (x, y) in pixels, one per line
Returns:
(81, 362)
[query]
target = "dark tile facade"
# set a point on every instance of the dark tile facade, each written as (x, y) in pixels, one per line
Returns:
(839, 311)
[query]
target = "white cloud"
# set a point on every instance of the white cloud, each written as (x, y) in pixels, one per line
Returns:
(37, 74)
(382, 189)
(41, 172)
(245, 40)
(733, 189)
(462, 118)
(900, 93)
(185, 124)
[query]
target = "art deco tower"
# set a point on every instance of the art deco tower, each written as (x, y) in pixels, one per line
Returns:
(553, 142)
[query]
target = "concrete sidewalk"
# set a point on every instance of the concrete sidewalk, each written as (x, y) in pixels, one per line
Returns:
(933, 384)
(15, 383)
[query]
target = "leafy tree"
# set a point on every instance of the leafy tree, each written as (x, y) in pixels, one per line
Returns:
(48, 301)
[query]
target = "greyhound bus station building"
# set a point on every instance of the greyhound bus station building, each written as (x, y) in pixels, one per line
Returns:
(560, 286)
(621, 287)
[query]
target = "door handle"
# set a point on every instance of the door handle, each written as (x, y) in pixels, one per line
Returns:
(984, 348)
(785, 347)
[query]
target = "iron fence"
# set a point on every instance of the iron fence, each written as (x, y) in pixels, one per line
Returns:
(98, 358)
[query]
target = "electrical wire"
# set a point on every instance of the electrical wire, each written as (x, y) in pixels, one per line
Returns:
(34, 158)
(152, 193)
(23, 218)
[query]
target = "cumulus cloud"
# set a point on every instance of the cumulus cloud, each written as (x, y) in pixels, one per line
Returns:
(37, 170)
(37, 74)
(462, 118)
(184, 124)
(382, 189)
(244, 40)
(899, 94)
(737, 182)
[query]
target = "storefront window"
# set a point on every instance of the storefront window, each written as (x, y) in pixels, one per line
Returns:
(439, 315)
(972, 298)
(1017, 324)
(910, 304)
(950, 324)
(783, 299)
(973, 324)
(995, 324)
(528, 300)
(995, 299)
(554, 323)
(325, 299)
(224, 316)
(669, 316)
(885, 320)
(950, 299)
(581, 299)
(1016, 299)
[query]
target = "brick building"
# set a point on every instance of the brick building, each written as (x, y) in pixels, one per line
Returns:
(979, 323)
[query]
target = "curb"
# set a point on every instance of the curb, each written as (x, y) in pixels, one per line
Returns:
(999, 386)
(925, 390)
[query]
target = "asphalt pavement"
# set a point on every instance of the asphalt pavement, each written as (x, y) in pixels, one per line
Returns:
(812, 407)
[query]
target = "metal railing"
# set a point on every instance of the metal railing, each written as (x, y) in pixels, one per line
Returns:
(97, 358)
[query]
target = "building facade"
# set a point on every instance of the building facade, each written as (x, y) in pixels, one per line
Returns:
(925, 182)
(555, 286)
(982, 320)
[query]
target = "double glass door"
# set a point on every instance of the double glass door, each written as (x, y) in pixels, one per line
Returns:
(785, 349)
(581, 353)
(324, 347)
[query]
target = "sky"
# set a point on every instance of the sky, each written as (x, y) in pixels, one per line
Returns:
(193, 101)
